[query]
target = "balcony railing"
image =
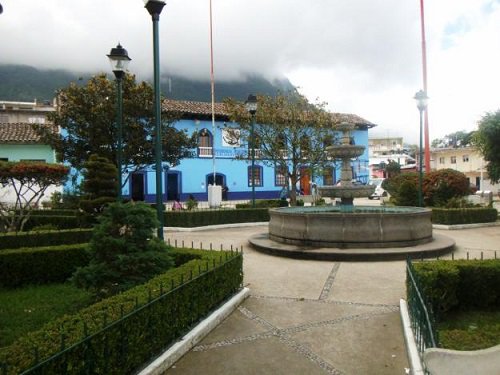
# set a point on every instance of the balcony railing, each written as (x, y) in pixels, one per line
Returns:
(205, 152)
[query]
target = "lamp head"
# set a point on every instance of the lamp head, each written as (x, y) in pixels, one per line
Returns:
(422, 100)
(251, 104)
(119, 60)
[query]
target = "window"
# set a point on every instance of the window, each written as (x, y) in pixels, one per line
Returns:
(453, 160)
(257, 175)
(280, 177)
(441, 160)
(204, 143)
(465, 158)
(36, 120)
(328, 176)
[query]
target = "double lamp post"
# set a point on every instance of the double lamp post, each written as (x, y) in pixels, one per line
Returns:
(251, 107)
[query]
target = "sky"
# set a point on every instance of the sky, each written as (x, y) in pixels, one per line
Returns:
(358, 56)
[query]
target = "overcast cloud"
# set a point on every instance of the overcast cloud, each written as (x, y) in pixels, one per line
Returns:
(360, 56)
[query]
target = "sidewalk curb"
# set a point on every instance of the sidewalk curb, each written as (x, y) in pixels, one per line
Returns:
(218, 226)
(411, 346)
(186, 343)
(465, 226)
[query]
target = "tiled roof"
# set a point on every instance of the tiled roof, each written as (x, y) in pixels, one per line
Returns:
(20, 133)
(194, 108)
(205, 109)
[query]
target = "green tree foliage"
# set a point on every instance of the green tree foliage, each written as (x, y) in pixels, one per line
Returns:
(457, 139)
(438, 187)
(28, 181)
(99, 186)
(487, 140)
(442, 185)
(123, 250)
(290, 134)
(87, 115)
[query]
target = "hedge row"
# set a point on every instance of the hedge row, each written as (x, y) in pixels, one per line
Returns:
(265, 203)
(60, 222)
(54, 212)
(44, 238)
(41, 265)
(146, 319)
(460, 284)
(451, 216)
(211, 217)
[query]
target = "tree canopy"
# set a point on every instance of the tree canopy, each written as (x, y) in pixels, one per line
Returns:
(29, 182)
(290, 134)
(86, 116)
(487, 140)
(457, 139)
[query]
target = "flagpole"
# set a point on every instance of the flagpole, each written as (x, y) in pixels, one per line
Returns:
(424, 74)
(212, 89)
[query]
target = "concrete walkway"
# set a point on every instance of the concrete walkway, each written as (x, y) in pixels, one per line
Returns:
(312, 317)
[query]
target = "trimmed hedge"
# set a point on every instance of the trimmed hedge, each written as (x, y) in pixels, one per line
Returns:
(264, 203)
(460, 284)
(54, 212)
(211, 217)
(61, 222)
(41, 265)
(44, 238)
(452, 216)
(140, 323)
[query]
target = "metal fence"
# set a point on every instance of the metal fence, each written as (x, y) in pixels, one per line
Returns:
(421, 315)
(147, 327)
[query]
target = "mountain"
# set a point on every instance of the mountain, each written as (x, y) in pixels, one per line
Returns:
(26, 83)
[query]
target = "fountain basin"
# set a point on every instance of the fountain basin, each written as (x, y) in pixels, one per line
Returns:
(353, 191)
(351, 226)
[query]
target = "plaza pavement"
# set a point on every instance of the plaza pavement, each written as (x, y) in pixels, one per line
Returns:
(313, 317)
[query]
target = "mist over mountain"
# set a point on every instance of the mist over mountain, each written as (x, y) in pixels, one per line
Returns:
(26, 83)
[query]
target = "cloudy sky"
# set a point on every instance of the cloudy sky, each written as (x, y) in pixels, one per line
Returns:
(359, 56)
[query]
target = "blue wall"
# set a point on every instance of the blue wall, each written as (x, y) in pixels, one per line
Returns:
(192, 172)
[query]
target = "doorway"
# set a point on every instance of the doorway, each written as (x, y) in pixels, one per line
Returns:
(137, 186)
(173, 186)
(305, 181)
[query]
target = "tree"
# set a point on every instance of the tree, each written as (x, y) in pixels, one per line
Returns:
(86, 115)
(457, 139)
(123, 250)
(290, 135)
(487, 140)
(99, 186)
(29, 181)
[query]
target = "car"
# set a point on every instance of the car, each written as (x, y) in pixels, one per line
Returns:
(379, 190)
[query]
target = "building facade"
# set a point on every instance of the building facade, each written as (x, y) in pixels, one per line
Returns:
(218, 150)
(19, 141)
(467, 160)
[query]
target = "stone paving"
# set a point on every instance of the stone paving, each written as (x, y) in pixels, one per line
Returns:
(312, 317)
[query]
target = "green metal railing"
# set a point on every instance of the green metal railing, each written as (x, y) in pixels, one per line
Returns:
(421, 314)
(150, 328)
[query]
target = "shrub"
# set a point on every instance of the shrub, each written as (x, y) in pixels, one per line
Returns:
(41, 265)
(123, 250)
(460, 284)
(154, 316)
(442, 185)
(407, 194)
(451, 216)
(44, 238)
(212, 217)
(60, 222)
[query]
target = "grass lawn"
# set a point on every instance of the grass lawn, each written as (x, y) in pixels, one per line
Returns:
(470, 330)
(28, 308)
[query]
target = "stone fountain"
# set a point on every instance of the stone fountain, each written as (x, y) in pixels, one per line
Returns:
(347, 231)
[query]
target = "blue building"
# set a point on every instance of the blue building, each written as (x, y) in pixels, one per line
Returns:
(217, 149)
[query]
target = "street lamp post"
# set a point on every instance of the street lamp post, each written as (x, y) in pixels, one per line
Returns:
(251, 107)
(422, 99)
(118, 57)
(154, 7)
